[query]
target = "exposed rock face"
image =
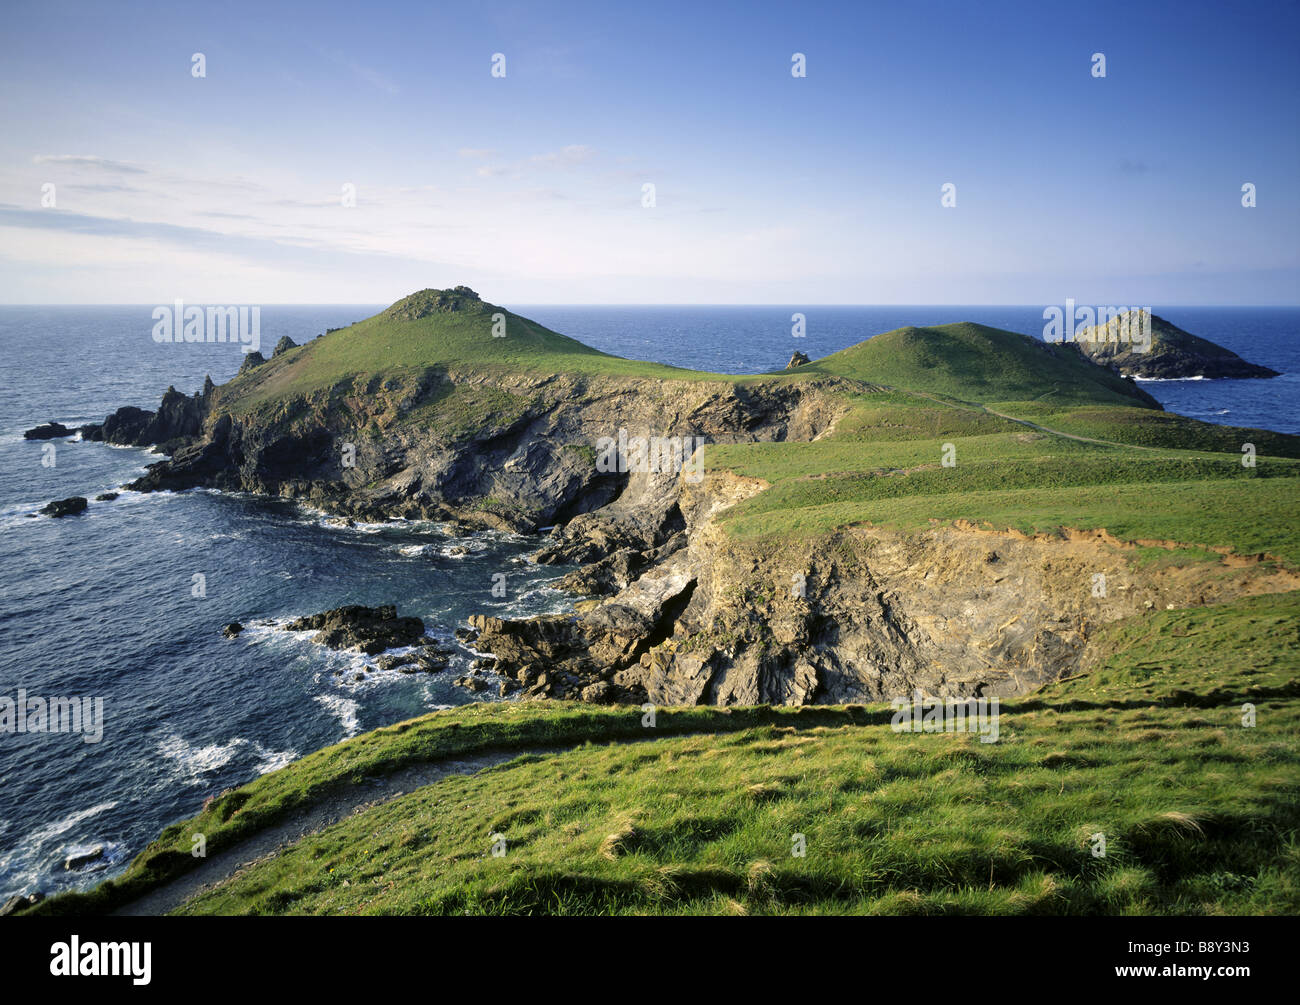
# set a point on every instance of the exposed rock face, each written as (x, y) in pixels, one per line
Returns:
(232, 630)
(65, 507)
(867, 615)
(284, 345)
(48, 431)
(178, 419)
(798, 359)
(369, 629)
(1121, 344)
(252, 360)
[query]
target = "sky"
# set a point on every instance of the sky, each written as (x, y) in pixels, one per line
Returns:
(230, 187)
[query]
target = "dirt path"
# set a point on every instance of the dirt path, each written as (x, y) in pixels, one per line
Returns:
(1041, 428)
(1072, 436)
(316, 817)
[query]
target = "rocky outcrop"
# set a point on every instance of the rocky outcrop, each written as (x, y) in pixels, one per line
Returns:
(798, 359)
(19, 902)
(1142, 344)
(679, 612)
(178, 420)
(367, 629)
(48, 431)
(65, 507)
(283, 346)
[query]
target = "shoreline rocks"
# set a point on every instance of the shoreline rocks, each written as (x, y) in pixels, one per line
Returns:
(370, 630)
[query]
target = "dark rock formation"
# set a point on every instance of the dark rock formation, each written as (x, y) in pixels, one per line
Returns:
(368, 629)
(1170, 353)
(106, 497)
(49, 431)
(798, 359)
(251, 361)
(232, 630)
(65, 507)
(178, 420)
(284, 345)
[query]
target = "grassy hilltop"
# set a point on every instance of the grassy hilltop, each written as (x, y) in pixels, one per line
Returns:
(1147, 746)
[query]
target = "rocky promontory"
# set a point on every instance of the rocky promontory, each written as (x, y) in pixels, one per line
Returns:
(481, 422)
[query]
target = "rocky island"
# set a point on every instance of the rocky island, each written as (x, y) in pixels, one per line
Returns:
(1172, 354)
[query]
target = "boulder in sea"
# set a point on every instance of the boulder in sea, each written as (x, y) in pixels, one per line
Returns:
(798, 359)
(79, 860)
(65, 507)
(368, 629)
(49, 431)
(232, 630)
(106, 497)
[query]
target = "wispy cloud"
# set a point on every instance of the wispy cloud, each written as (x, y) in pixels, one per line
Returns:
(89, 161)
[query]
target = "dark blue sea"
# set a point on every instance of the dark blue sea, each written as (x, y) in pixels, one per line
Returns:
(102, 604)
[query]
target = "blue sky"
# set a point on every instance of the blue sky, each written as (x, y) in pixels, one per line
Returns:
(768, 188)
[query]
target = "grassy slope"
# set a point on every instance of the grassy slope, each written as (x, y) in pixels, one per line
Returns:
(397, 344)
(1200, 813)
(976, 363)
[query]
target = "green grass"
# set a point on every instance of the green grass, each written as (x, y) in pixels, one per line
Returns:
(973, 362)
(1251, 516)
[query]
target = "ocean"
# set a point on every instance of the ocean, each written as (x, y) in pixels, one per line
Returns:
(103, 604)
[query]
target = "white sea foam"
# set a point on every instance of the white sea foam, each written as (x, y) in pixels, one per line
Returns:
(23, 864)
(194, 761)
(343, 709)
